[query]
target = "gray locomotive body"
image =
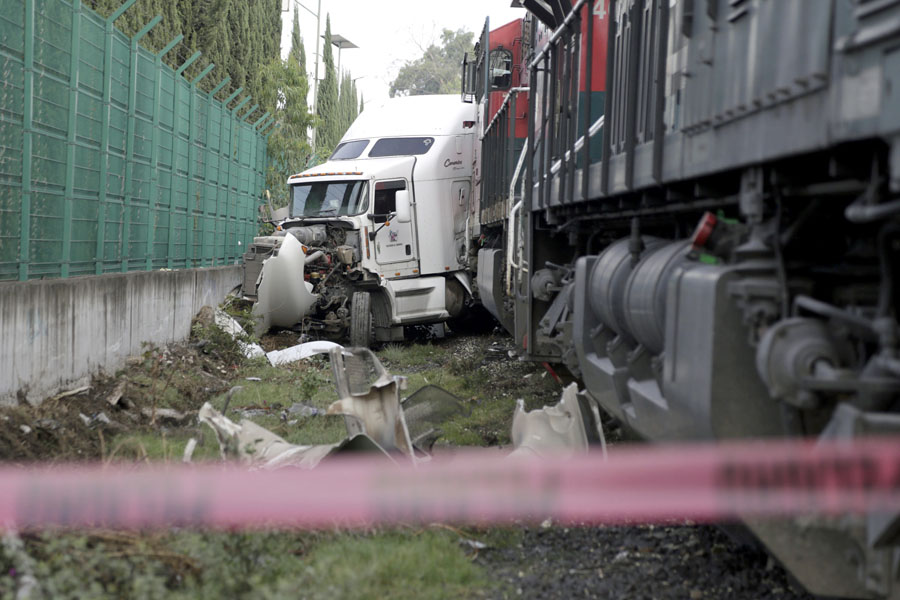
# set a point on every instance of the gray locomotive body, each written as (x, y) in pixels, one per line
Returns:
(712, 247)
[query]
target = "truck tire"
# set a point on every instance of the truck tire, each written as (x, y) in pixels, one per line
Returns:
(362, 329)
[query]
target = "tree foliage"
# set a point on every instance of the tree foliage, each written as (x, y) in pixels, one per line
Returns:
(241, 38)
(328, 132)
(348, 106)
(437, 71)
(284, 86)
(235, 35)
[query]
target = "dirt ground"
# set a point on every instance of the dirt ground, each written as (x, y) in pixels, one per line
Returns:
(147, 411)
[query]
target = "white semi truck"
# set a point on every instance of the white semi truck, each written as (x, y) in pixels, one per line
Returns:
(376, 238)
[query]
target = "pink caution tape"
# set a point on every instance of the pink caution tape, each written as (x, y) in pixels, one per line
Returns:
(643, 483)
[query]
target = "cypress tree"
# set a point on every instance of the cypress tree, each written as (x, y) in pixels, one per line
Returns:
(328, 131)
(296, 38)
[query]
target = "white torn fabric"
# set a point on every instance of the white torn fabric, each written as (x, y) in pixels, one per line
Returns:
(259, 447)
(226, 323)
(557, 430)
(299, 352)
(283, 297)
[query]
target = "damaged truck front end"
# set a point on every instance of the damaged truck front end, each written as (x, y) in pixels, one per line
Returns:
(307, 271)
(378, 237)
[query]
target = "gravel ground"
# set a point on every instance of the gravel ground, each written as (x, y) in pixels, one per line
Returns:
(635, 563)
(622, 562)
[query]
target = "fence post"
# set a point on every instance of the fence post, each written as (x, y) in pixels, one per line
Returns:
(231, 134)
(249, 112)
(220, 238)
(27, 142)
(206, 71)
(68, 197)
(129, 144)
(104, 135)
(154, 147)
(260, 120)
(176, 117)
(216, 89)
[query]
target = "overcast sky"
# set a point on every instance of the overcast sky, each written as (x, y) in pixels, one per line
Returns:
(387, 33)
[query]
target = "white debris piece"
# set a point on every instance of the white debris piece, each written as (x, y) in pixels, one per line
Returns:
(226, 323)
(283, 297)
(259, 447)
(189, 450)
(299, 352)
(372, 406)
(557, 430)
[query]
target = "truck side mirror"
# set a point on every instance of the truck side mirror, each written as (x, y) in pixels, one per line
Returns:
(403, 210)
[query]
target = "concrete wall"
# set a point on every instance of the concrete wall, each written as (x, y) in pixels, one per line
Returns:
(54, 334)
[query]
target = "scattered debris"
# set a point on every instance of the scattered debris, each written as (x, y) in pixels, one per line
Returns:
(304, 410)
(299, 352)
(93, 420)
(228, 396)
(259, 447)
(563, 429)
(253, 378)
(116, 394)
(25, 429)
(189, 450)
(229, 325)
(369, 398)
(424, 412)
(74, 392)
(164, 415)
(226, 323)
(474, 544)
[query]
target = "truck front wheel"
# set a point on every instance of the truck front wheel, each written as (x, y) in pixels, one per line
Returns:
(362, 329)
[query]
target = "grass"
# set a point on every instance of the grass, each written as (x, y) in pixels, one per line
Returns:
(400, 563)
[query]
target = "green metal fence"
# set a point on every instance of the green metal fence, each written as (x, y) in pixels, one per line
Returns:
(110, 160)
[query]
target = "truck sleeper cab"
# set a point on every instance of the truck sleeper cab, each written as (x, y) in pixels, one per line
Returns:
(381, 227)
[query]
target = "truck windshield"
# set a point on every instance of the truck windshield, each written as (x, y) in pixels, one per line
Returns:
(349, 150)
(328, 199)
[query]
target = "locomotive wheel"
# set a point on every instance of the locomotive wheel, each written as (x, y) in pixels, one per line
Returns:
(362, 328)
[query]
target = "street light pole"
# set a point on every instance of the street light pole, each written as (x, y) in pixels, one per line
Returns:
(318, 16)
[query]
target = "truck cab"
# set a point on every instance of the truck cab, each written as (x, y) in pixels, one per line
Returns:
(375, 237)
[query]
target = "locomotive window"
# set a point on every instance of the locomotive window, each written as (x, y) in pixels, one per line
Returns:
(401, 146)
(386, 199)
(349, 150)
(501, 69)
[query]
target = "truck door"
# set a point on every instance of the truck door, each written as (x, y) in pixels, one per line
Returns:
(395, 243)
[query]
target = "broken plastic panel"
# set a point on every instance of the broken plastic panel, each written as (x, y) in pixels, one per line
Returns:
(369, 398)
(564, 429)
(283, 297)
(426, 410)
